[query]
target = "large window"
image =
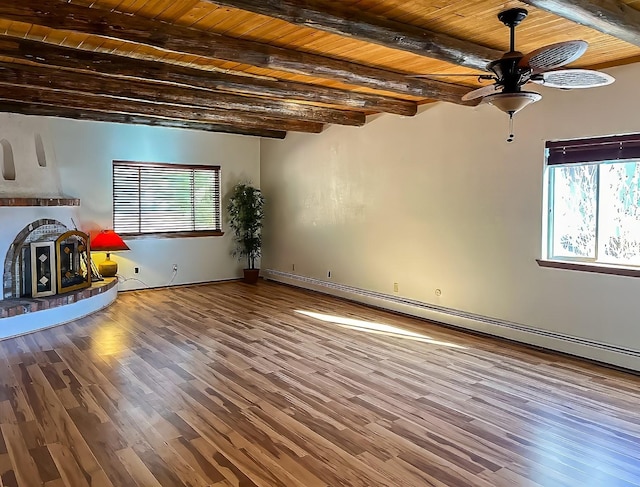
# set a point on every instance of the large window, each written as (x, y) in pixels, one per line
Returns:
(594, 200)
(168, 199)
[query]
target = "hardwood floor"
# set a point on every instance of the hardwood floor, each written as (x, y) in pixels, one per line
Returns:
(267, 385)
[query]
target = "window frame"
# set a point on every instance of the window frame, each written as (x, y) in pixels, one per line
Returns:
(551, 216)
(604, 150)
(179, 166)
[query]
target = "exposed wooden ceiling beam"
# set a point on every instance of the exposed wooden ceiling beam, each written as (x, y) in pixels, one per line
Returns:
(37, 76)
(58, 14)
(80, 100)
(26, 108)
(351, 22)
(52, 55)
(611, 17)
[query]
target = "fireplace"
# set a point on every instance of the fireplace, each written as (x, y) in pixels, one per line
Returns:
(55, 264)
(34, 209)
(47, 259)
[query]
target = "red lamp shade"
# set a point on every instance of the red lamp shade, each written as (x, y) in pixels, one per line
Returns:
(108, 241)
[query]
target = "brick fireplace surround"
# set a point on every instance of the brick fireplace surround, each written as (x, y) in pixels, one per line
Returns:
(32, 232)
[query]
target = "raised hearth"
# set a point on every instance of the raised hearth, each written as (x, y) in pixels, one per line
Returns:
(20, 306)
(20, 315)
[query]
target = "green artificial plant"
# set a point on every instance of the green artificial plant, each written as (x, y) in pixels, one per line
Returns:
(246, 211)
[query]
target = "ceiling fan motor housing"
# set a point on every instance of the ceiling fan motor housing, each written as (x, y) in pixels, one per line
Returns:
(513, 16)
(509, 72)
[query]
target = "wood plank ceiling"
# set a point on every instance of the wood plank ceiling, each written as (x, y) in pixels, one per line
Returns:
(263, 68)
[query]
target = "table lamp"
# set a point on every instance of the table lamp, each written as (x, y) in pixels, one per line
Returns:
(108, 241)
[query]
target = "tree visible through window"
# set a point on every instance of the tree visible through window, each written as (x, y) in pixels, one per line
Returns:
(594, 200)
(165, 198)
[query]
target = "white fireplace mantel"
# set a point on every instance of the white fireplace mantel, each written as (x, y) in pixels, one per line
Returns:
(38, 201)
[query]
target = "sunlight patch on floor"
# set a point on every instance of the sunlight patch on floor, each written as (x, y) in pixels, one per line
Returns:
(376, 328)
(110, 339)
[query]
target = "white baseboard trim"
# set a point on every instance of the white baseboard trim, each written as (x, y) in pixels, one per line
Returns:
(179, 284)
(582, 347)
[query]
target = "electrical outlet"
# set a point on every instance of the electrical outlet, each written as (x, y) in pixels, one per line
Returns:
(175, 267)
(328, 273)
(136, 270)
(438, 292)
(395, 287)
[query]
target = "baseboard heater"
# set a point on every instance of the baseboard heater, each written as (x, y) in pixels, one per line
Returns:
(582, 347)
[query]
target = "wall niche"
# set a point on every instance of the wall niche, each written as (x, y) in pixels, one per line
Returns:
(8, 164)
(41, 155)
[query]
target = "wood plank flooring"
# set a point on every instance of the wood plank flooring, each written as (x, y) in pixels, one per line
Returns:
(237, 385)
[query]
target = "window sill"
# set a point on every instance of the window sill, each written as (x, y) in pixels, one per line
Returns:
(207, 233)
(591, 267)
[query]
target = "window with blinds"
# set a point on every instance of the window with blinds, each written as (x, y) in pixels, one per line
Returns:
(166, 199)
(594, 200)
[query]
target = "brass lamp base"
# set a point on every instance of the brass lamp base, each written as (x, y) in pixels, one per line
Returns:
(108, 268)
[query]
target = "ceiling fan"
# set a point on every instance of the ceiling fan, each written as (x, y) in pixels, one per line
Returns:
(514, 69)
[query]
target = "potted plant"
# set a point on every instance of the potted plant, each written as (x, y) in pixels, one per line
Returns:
(246, 211)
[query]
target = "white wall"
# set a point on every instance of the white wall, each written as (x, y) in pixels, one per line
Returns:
(85, 151)
(31, 178)
(441, 201)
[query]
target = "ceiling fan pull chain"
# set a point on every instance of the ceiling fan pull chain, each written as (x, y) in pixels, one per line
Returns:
(511, 134)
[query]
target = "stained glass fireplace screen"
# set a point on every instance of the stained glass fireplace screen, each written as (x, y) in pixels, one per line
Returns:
(72, 256)
(43, 273)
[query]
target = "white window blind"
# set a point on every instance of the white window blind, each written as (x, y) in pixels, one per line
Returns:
(165, 198)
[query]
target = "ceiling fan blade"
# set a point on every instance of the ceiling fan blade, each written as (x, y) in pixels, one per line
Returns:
(429, 75)
(553, 56)
(573, 78)
(480, 92)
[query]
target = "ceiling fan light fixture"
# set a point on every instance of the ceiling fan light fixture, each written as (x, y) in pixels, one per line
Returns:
(512, 103)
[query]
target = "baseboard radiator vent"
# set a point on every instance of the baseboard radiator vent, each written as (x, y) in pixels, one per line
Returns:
(602, 352)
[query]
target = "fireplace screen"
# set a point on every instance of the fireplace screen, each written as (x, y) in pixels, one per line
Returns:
(43, 271)
(56, 265)
(72, 258)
